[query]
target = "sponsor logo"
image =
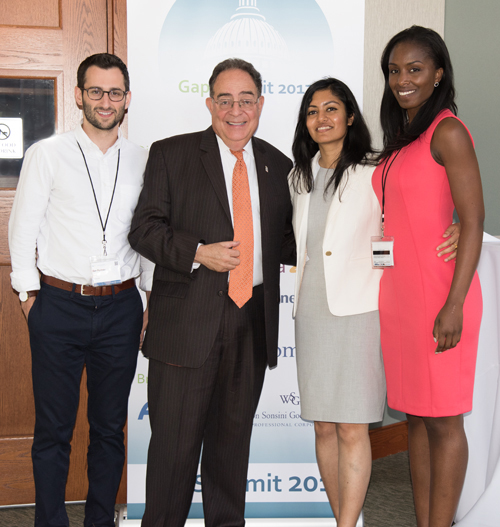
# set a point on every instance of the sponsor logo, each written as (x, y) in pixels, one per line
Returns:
(144, 411)
(291, 398)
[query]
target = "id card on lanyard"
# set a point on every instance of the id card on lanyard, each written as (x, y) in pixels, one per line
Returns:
(105, 269)
(382, 251)
(383, 246)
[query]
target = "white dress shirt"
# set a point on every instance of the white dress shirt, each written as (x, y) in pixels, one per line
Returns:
(228, 162)
(55, 214)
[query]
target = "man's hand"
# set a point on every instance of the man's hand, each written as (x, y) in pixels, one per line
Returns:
(220, 257)
(26, 306)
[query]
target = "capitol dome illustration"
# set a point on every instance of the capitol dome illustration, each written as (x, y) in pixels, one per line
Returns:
(248, 36)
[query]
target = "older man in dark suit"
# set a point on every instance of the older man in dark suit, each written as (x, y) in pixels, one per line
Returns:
(215, 217)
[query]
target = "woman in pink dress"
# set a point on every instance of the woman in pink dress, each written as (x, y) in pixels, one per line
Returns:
(430, 312)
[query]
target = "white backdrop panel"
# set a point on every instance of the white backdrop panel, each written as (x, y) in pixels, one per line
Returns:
(173, 47)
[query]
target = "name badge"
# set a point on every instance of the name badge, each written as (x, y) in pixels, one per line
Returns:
(382, 251)
(105, 270)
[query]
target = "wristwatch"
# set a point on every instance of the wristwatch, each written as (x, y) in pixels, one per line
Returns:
(24, 295)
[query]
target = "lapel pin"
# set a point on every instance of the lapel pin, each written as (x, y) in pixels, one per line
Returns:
(267, 170)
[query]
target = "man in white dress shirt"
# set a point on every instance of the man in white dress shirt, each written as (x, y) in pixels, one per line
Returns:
(75, 273)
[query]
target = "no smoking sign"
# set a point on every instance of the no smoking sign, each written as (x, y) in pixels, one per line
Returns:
(11, 138)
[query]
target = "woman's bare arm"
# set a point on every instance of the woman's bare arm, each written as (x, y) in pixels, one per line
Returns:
(451, 147)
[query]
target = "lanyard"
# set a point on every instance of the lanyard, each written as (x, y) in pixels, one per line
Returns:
(103, 225)
(385, 173)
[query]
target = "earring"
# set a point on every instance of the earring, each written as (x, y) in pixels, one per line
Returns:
(436, 84)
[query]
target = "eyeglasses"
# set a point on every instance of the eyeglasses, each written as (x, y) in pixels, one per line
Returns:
(227, 104)
(96, 94)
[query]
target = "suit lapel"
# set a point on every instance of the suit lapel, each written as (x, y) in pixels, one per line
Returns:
(213, 165)
(265, 181)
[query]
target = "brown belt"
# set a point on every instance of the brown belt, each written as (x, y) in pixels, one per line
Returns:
(88, 290)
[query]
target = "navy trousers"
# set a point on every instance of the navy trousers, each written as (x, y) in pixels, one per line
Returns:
(68, 331)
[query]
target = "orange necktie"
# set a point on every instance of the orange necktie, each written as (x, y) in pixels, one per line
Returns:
(241, 278)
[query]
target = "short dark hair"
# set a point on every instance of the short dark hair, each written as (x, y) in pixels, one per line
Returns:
(104, 61)
(357, 142)
(236, 64)
(397, 133)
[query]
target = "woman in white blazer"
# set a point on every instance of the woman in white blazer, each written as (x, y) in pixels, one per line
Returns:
(352, 286)
(337, 331)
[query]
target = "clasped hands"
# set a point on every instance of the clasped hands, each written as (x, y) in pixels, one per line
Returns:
(220, 257)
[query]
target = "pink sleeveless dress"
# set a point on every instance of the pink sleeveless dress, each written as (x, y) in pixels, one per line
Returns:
(418, 208)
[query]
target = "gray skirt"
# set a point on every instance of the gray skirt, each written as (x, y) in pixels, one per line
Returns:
(340, 368)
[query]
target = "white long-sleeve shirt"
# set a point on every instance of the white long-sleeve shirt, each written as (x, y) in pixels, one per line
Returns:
(55, 213)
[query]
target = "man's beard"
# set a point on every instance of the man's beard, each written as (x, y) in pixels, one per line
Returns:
(94, 120)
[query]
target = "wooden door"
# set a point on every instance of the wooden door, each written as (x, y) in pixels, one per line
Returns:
(43, 39)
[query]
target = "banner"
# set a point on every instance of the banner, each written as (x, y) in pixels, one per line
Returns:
(173, 47)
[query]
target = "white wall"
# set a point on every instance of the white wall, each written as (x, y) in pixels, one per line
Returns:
(383, 19)
(473, 38)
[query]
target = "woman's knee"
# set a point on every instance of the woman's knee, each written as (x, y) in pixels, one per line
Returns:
(325, 430)
(444, 426)
(352, 433)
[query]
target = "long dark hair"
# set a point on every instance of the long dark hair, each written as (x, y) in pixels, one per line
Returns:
(357, 143)
(397, 132)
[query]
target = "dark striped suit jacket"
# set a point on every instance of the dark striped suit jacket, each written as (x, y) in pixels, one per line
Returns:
(183, 203)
